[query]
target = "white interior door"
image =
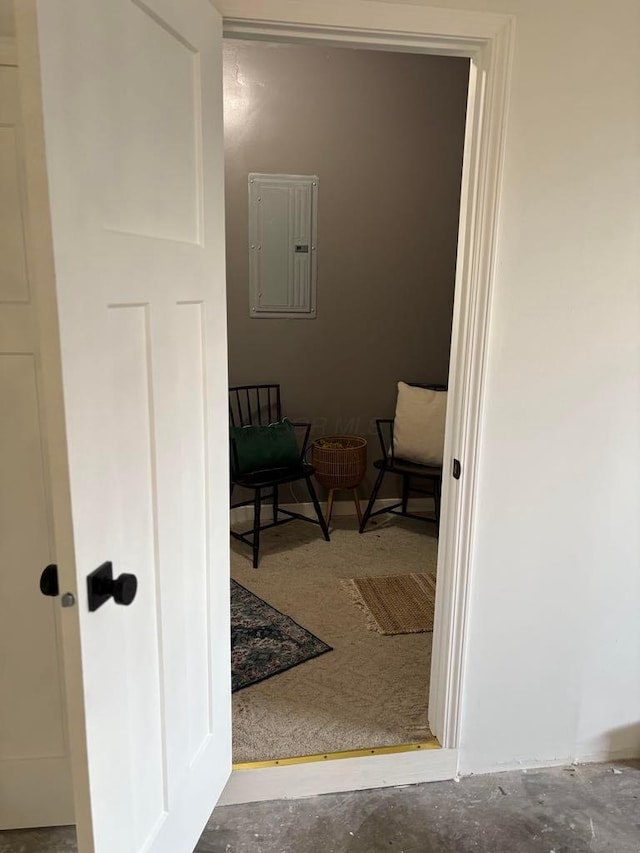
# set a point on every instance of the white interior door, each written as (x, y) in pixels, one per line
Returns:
(35, 779)
(131, 109)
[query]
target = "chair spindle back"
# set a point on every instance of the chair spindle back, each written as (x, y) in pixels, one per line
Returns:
(254, 405)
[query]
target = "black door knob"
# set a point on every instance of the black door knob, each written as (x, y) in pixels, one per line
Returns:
(49, 581)
(124, 588)
(101, 586)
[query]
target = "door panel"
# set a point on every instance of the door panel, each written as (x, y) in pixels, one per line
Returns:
(13, 281)
(132, 109)
(35, 785)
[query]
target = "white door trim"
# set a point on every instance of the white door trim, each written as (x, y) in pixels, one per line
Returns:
(53, 416)
(295, 781)
(479, 212)
(487, 39)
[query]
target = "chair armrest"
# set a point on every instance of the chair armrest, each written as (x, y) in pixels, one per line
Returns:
(307, 428)
(385, 425)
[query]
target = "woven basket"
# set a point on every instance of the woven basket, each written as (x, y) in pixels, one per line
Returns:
(340, 461)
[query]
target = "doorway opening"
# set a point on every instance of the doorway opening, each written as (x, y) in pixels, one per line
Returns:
(382, 134)
(479, 37)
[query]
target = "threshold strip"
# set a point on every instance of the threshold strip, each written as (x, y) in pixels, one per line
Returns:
(331, 756)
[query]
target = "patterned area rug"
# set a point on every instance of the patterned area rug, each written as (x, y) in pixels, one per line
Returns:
(395, 604)
(265, 642)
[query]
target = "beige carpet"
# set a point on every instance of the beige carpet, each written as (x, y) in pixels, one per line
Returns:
(372, 690)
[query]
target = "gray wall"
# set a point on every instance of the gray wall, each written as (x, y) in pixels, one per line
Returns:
(384, 132)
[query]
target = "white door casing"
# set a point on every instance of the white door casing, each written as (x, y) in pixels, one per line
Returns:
(488, 40)
(135, 385)
(35, 778)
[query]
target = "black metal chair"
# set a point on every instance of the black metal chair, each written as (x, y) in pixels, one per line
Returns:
(429, 477)
(260, 405)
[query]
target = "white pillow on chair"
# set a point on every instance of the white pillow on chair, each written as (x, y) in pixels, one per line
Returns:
(418, 430)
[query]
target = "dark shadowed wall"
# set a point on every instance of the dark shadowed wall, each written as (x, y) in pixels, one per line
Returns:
(384, 132)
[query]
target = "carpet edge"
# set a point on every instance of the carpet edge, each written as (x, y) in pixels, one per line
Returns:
(322, 651)
(353, 592)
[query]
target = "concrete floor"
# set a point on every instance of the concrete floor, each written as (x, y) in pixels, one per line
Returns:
(592, 808)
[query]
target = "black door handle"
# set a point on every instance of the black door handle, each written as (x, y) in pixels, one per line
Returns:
(49, 581)
(101, 586)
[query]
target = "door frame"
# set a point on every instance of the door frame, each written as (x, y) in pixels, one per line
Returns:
(487, 39)
(47, 778)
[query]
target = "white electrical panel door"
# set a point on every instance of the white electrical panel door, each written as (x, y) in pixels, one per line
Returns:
(282, 245)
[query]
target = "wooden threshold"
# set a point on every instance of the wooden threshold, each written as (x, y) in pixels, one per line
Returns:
(332, 756)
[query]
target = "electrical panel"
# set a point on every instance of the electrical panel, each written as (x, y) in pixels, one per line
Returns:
(283, 245)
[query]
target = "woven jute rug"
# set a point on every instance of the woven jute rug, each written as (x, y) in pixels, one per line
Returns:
(395, 604)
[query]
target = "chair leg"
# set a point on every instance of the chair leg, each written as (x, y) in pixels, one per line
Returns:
(436, 499)
(318, 509)
(275, 504)
(372, 500)
(257, 505)
(405, 492)
(329, 506)
(356, 501)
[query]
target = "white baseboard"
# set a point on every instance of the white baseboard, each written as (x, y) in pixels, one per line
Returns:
(244, 514)
(296, 781)
(489, 768)
(36, 792)
(593, 757)
(599, 755)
